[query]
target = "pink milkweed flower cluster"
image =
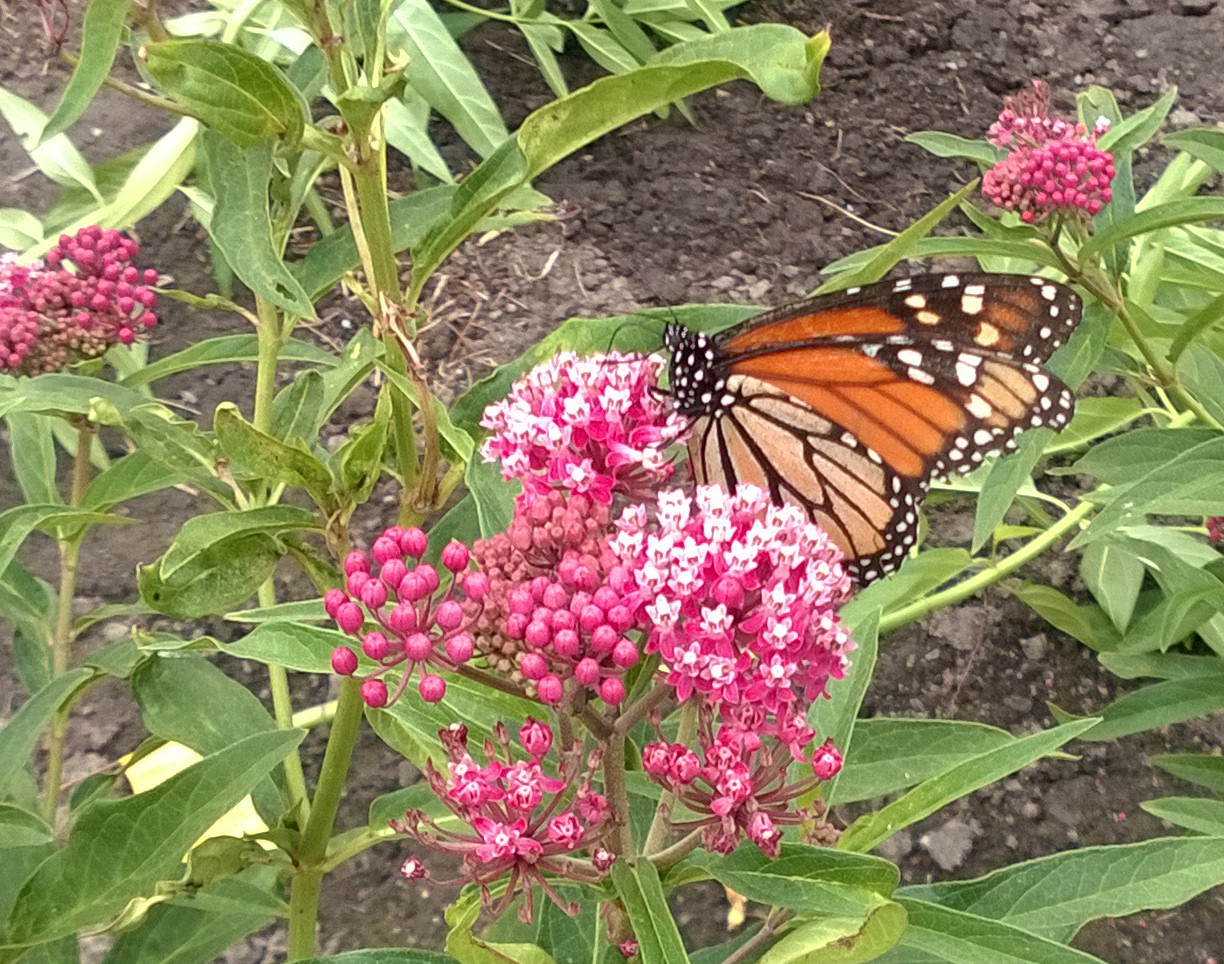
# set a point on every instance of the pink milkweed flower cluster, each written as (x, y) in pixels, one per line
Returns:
(738, 784)
(82, 298)
(1053, 165)
(594, 426)
(557, 615)
(741, 596)
(521, 823)
(417, 627)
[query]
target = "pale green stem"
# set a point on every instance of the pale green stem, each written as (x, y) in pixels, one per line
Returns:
(270, 344)
(309, 861)
(61, 642)
(988, 576)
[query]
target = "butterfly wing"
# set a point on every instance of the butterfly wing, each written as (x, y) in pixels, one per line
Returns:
(847, 406)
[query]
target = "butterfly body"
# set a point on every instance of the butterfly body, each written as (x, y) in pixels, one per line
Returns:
(847, 405)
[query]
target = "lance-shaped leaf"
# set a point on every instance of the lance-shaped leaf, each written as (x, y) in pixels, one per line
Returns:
(229, 89)
(100, 33)
(119, 849)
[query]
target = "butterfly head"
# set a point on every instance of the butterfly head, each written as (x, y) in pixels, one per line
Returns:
(696, 381)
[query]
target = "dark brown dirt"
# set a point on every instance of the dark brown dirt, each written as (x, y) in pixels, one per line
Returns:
(745, 206)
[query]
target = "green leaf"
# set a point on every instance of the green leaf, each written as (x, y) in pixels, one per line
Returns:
(196, 929)
(1202, 769)
(465, 947)
(406, 127)
(1187, 211)
(1204, 143)
(930, 795)
(937, 935)
(950, 145)
(32, 454)
(225, 350)
(1158, 665)
(1198, 814)
(1114, 576)
(303, 649)
(56, 157)
(1135, 131)
(119, 849)
(1202, 372)
(21, 828)
(21, 732)
(19, 229)
(918, 576)
(100, 33)
(835, 718)
(879, 261)
(201, 533)
(136, 474)
(645, 904)
(441, 73)
(778, 59)
(1095, 417)
(1190, 483)
(358, 463)
(1003, 481)
(17, 523)
(1125, 458)
(895, 754)
(1154, 706)
(297, 410)
(493, 496)
(231, 90)
(836, 940)
(270, 458)
(217, 578)
(1087, 623)
(241, 225)
(812, 879)
(1054, 896)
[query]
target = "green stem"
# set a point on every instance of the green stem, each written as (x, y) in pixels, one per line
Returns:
(312, 848)
(61, 642)
(620, 841)
(988, 576)
(1104, 290)
(271, 340)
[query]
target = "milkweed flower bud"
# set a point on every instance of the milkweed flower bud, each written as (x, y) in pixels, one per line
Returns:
(419, 629)
(84, 297)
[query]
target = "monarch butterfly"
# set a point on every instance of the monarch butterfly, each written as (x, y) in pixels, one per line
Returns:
(846, 405)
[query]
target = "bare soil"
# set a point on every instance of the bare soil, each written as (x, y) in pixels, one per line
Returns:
(745, 206)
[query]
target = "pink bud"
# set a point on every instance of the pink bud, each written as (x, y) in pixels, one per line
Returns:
(537, 634)
(384, 550)
(403, 618)
(449, 615)
(455, 556)
(460, 647)
(476, 585)
(392, 572)
(603, 638)
(612, 690)
(826, 761)
(624, 653)
(432, 688)
(356, 582)
(533, 666)
(430, 576)
(550, 689)
(374, 693)
(603, 859)
(344, 661)
(375, 645)
(332, 601)
(536, 737)
(587, 672)
(349, 617)
(413, 541)
(374, 594)
(413, 869)
(418, 647)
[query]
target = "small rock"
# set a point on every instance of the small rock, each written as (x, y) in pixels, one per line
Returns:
(897, 846)
(949, 845)
(1035, 647)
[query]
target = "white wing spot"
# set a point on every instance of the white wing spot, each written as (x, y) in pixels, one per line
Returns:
(920, 376)
(965, 374)
(916, 301)
(950, 281)
(975, 290)
(971, 304)
(982, 437)
(1049, 292)
(909, 356)
(903, 284)
(1041, 381)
